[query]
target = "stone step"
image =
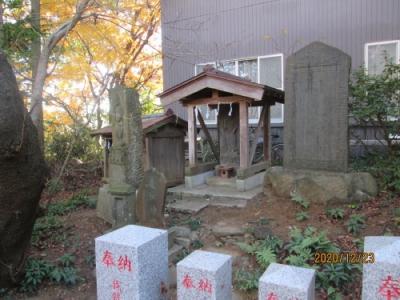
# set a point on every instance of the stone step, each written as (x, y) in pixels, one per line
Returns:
(223, 182)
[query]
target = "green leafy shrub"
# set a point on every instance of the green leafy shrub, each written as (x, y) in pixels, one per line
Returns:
(194, 224)
(355, 223)
(37, 271)
(376, 101)
(304, 203)
(78, 200)
(59, 139)
(302, 216)
(45, 227)
(246, 280)
(386, 169)
(335, 213)
(197, 244)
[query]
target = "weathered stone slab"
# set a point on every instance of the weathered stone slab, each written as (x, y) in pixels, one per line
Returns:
(132, 263)
(117, 199)
(285, 282)
(320, 186)
(316, 109)
(381, 278)
(205, 275)
(150, 202)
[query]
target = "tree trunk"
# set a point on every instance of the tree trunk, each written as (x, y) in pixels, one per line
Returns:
(22, 178)
(35, 15)
(36, 110)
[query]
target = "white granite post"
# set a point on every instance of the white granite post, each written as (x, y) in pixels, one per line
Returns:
(132, 263)
(283, 282)
(381, 276)
(205, 275)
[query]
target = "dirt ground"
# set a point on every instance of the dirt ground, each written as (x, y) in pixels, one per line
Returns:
(82, 226)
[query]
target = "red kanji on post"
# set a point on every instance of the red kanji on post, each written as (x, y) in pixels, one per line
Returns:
(124, 264)
(187, 282)
(116, 296)
(116, 285)
(272, 296)
(205, 286)
(390, 288)
(108, 259)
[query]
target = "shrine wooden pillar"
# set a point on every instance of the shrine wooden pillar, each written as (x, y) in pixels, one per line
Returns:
(267, 133)
(192, 135)
(244, 134)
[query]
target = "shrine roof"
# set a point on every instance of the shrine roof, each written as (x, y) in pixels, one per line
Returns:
(201, 85)
(149, 123)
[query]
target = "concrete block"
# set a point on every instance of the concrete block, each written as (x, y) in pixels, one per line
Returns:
(381, 277)
(199, 179)
(285, 282)
(132, 263)
(243, 185)
(205, 275)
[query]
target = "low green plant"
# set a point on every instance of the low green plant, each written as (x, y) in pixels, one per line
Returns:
(194, 224)
(302, 216)
(263, 221)
(298, 199)
(197, 244)
(265, 257)
(45, 227)
(332, 278)
(355, 224)
(335, 213)
(38, 270)
(64, 207)
(90, 260)
(246, 280)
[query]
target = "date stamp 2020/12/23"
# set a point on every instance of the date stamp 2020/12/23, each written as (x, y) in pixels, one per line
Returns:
(344, 257)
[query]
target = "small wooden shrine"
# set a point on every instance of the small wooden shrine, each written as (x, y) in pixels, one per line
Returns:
(231, 96)
(164, 145)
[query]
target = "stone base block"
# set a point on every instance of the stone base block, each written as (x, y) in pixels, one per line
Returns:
(205, 275)
(197, 180)
(381, 277)
(104, 204)
(249, 183)
(327, 188)
(132, 263)
(287, 282)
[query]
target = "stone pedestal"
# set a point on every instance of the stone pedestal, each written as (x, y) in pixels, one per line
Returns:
(132, 263)
(285, 282)
(123, 198)
(205, 275)
(327, 188)
(381, 277)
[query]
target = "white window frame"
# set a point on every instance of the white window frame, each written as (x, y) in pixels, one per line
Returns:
(397, 42)
(257, 58)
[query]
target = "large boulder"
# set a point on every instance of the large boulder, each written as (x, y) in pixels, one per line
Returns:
(22, 178)
(328, 188)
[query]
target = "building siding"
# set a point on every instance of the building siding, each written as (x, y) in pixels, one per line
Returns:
(208, 30)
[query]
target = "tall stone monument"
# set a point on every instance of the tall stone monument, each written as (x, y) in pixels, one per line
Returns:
(117, 198)
(316, 109)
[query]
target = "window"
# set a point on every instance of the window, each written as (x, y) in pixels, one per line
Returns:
(266, 70)
(377, 55)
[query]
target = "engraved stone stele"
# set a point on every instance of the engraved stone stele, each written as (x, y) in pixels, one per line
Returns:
(285, 282)
(205, 275)
(132, 263)
(150, 203)
(381, 279)
(116, 202)
(316, 109)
